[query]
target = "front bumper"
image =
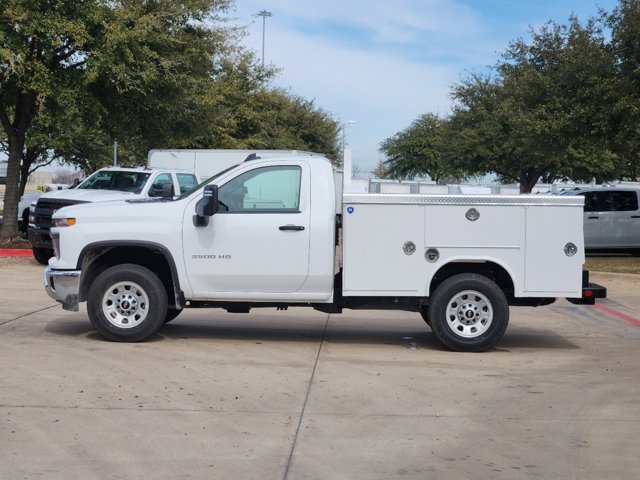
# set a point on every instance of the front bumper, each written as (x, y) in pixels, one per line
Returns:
(63, 286)
(39, 237)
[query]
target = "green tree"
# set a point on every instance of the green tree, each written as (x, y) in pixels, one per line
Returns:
(74, 75)
(283, 120)
(246, 113)
(545, 115)
(416, 151)
(624, 23)
(381, 170)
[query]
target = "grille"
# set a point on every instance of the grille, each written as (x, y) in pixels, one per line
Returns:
(45, 208)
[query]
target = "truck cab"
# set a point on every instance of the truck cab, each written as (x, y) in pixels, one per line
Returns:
(611, 217)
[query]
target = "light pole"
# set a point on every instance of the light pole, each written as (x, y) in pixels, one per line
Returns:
(264, 14)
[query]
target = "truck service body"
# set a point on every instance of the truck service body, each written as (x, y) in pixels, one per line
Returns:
(265, 234)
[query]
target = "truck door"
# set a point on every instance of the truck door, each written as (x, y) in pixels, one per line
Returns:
(592, 220)
(620, 219)
(258, 241)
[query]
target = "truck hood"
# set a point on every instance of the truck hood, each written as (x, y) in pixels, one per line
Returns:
(89, 195)
(122, 214)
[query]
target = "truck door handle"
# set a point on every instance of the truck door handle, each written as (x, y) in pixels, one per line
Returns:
(593, 217)
(294, 228)
(635, 216)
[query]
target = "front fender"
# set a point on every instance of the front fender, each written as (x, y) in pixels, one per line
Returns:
(99, 256)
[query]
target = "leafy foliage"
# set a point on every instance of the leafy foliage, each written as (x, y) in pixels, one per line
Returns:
(77, 75)
(565, 104)
(545, 114)
(416, 151)
(624, 23)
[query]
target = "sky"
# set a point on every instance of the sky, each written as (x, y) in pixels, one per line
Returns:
(382, 64)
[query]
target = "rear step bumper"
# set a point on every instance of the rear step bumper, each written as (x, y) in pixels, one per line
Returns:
(590, 291)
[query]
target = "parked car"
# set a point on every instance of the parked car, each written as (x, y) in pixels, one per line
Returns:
(611, 217)
(106, 184)
(23, 209)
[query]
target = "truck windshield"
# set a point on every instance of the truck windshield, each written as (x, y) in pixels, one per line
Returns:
(112, 180)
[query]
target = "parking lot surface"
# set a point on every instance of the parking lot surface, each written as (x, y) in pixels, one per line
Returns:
(304, 395)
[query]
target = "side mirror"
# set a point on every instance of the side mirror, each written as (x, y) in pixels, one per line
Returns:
(163, 190)
(167, 190)
(207, 206)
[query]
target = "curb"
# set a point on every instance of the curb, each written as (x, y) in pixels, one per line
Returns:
(15, 252)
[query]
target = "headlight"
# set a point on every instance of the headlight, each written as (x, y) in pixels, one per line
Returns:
(64, 222)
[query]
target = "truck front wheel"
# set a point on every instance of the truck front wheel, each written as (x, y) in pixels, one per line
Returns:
(42, 255)
(469, 313)
(127, 303)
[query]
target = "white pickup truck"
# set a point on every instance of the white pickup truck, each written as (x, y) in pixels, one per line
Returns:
(106, 184)
(265, 234)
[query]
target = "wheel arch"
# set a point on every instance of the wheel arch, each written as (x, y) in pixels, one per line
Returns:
(95, 258)
(490, 268)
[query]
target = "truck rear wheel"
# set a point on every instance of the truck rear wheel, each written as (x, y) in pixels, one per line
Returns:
(424, 313)
(469, 313)
(127, 303)
(172, 313)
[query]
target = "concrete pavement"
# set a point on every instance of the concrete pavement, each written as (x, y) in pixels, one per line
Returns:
(305, 395)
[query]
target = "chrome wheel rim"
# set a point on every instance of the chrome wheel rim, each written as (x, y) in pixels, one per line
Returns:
(469, 314)
(125, 305)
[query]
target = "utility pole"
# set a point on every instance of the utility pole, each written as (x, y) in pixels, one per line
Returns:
(264, 14)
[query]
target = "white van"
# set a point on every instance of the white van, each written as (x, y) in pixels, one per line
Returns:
(611, 217)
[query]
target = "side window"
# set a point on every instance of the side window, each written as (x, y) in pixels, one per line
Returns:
(186, 181)
(268, 189)
(621, 201)
(590, 201)
(160, 180)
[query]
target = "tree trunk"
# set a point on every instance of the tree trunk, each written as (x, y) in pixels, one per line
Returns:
(528, 180)
(16, 133)
(9, 227)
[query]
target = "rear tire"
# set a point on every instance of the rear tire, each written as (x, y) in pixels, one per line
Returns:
(469, 313)
(42, 255)
(127, 303)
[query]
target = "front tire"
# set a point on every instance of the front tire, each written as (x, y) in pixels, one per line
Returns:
(127, 303)
(42, 255)
(25, 221)
(469, 313)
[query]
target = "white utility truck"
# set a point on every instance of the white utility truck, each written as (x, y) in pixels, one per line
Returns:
(265, 233)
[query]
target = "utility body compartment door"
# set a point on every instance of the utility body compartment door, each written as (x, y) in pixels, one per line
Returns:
(552, 265)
